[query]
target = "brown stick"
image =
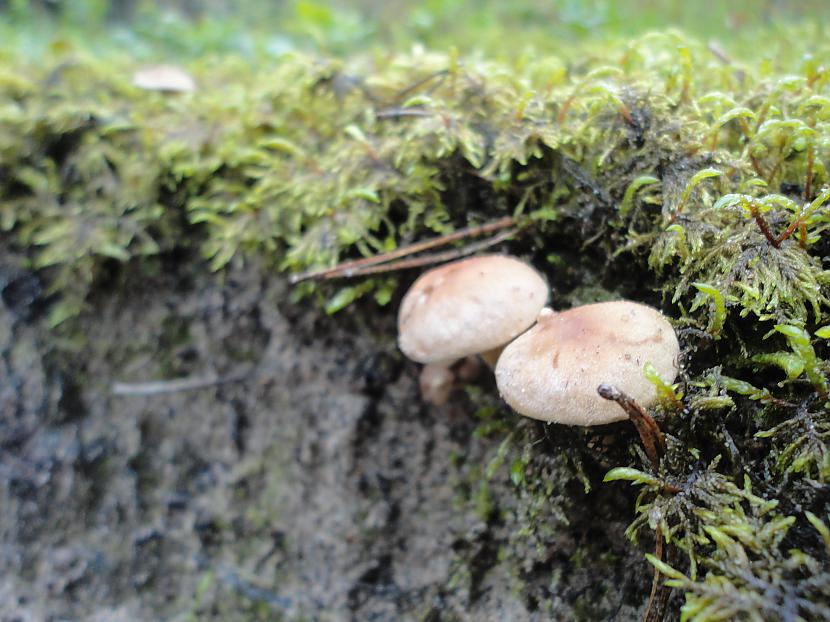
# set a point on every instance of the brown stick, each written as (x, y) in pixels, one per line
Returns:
(347, 267)
(626, 115)
(763, 226)
(756, 166)
(425, 260)
(795, 224)
(649, 431)
(651, 614)
(565, 108)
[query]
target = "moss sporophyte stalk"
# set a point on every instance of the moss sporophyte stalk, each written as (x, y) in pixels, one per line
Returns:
(654, 171)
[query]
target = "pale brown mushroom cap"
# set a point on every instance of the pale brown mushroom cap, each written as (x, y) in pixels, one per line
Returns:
(469, 306)
(552, 371)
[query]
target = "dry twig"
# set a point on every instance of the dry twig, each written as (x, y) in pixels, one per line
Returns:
(350, 268)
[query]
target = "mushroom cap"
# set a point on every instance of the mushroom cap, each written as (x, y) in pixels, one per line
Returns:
(469, 306)
(552, 371)
(167, 78)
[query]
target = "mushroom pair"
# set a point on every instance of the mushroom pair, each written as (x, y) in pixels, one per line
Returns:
(552, 371)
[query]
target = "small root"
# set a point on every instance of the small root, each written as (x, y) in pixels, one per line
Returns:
(650, 433)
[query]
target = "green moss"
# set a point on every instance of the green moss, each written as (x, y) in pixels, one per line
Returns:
(748, 578)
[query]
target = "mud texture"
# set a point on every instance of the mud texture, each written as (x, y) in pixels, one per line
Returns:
(306, 480)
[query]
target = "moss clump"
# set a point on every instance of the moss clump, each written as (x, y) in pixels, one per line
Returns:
(655, 168)
(747, 576)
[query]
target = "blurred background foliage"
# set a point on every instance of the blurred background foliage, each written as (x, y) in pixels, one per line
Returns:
(149, 29)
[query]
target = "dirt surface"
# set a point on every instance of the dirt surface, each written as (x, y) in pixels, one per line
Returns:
(309, 482)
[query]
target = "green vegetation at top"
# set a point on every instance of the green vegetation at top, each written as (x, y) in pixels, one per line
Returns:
(712, 168)
(655, 168)
(186, 30)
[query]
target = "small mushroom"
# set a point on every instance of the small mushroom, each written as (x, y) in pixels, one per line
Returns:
(468, 307)
(552, 371)
(166, 78)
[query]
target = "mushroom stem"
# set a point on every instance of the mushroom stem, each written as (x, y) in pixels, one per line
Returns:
(650, 433)
(491, 357)
(438, 380)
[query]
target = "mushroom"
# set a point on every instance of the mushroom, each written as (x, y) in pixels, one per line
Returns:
(552, 371)
(471, 306)
(167, 78)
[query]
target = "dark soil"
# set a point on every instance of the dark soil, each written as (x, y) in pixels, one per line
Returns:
(307, 481)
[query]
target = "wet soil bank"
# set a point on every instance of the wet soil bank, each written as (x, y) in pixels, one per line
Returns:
(303, 480)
